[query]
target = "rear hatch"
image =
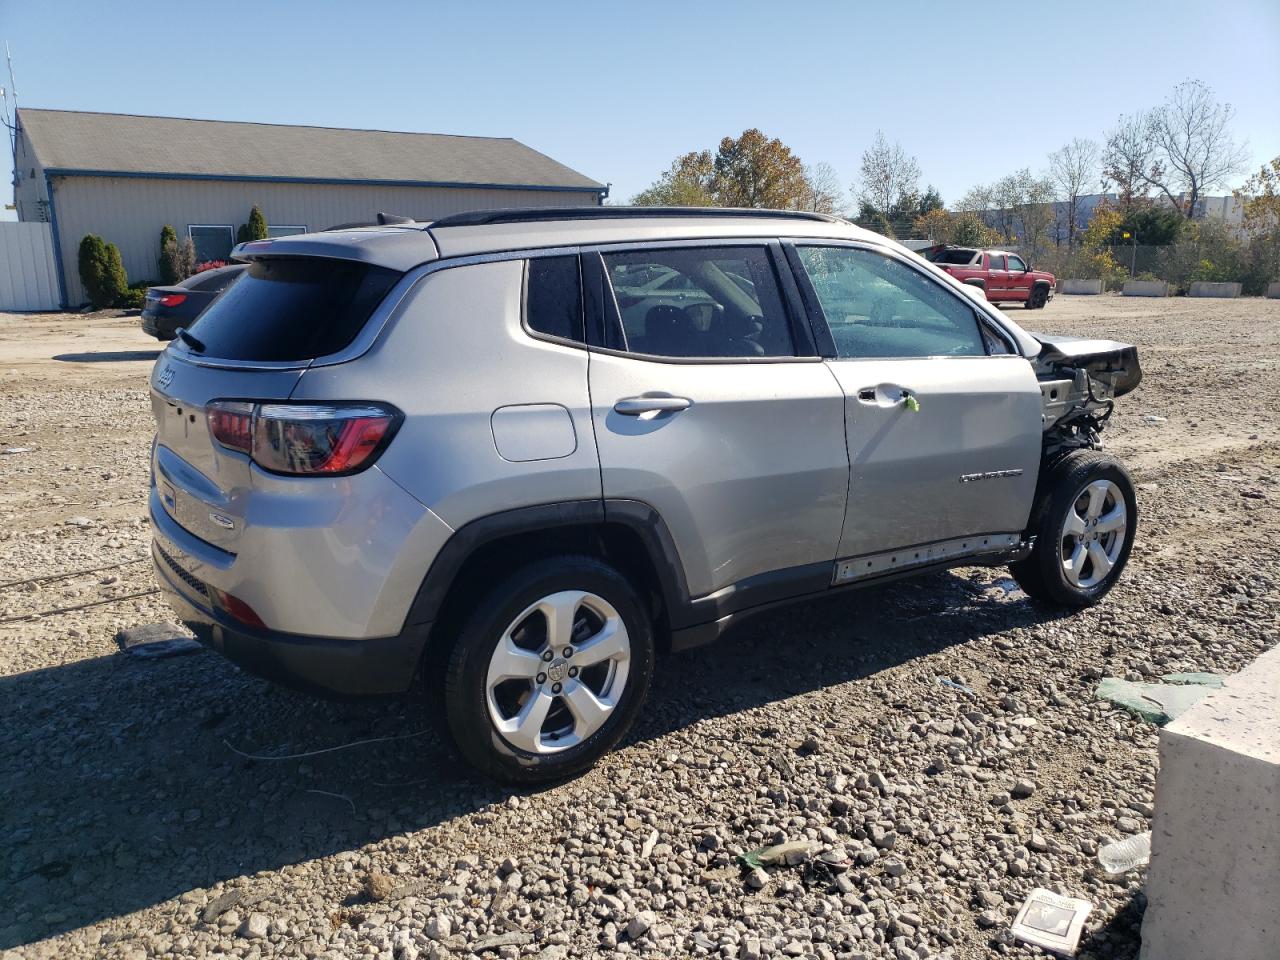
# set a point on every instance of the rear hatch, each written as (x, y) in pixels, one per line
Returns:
(252, 344)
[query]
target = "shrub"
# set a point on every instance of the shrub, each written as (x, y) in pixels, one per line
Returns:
(115, 282)
(135, 298)
(180, 256)
(255, 229)
(93, 269)
(167, 263)
(209, 265)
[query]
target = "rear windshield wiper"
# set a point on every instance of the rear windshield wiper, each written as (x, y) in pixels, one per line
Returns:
(190, 340)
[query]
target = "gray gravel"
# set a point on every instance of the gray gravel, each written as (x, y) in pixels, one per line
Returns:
(918, 814)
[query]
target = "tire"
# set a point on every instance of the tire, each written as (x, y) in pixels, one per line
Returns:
(507, 630)
(1068, 567)
(1039, 297)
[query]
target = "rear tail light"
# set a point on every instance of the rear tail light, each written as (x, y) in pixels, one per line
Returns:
(172, 299)
(237, 608)
(304, 439)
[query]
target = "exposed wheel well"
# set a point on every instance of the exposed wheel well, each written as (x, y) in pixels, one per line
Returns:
(614, 543)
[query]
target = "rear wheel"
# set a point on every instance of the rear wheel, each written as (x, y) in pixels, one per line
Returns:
(1084, 523)
(549, 671)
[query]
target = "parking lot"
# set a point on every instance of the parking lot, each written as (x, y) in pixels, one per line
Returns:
(133, 823)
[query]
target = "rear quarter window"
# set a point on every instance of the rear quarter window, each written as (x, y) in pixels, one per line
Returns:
(293, 308)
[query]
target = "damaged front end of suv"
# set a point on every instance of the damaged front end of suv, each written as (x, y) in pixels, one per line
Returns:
(1080, 379)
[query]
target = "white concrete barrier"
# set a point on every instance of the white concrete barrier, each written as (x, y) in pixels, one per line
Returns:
(1146, 288)
(1093, 287)
(1215, 841)
(1203, 288)
(1273, 290)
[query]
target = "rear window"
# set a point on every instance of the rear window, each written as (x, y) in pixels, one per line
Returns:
(292, 308)
(956, 257)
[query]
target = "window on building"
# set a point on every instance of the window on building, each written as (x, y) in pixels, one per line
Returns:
(553, 297)
(700, 302)
(212, 241)
(283, 231)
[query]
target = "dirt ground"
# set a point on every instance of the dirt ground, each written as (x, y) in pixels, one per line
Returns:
(133, 825)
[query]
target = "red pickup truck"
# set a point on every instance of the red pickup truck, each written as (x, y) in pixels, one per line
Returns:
(1004, 277)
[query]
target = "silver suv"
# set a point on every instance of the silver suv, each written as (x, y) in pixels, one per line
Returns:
(518, 453)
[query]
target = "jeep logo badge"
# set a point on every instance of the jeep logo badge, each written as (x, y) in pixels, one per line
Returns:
(165, 377)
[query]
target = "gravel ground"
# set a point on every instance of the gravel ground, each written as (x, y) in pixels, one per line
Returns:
(133, 825)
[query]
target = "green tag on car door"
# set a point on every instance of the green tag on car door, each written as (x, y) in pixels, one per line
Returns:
(912, 403)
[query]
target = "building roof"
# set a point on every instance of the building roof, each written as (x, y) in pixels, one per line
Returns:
(69, 141)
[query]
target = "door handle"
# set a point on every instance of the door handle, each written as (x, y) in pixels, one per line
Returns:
(639, 406)
(889, 395)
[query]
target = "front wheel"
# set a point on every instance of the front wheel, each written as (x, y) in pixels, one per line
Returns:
(1039, 297)
(1084, 522)
(549, 671)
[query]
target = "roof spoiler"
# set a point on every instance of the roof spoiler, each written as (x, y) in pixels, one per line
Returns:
(384, 220)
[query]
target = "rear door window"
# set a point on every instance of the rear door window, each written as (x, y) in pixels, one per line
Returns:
(713, 302)
(997, 261)
(292, 308)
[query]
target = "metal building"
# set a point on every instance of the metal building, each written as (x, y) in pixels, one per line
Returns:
(124, 177)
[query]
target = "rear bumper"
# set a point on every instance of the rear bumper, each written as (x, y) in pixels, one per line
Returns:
(374, 666)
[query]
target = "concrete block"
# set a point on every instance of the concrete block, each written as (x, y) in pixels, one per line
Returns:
(1215, 841)
(1093, 287)
(1203, 288)
(1273, 290)
(1146, 288)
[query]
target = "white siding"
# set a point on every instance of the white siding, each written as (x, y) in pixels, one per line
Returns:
(130, 211)
(28, 280)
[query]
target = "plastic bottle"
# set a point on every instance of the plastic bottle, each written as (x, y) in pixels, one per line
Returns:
(1121, 856)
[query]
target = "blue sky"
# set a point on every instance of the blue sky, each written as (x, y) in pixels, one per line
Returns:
(617, 90)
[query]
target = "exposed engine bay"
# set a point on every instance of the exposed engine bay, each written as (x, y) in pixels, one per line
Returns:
(1080, 379)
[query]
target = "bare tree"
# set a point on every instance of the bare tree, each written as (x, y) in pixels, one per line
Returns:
(1181, 149)
(824, 191)
(1197, 152)
(1129, 156)
(977, 200)
(888, 176)
(1074, 171)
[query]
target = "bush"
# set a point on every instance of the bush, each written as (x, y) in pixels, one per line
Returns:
(167, 263)
(135, 298)
(255, 229)
(93, 269)
(177, 260)
(115, 282)
(208, 265)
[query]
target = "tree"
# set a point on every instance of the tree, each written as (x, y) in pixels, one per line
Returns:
(1196, 148)
(166, 265)
(101, 272)
(936, 226)
(968, 230)
(1181, 149)
(1260, 197)
(754, 171)
(824, 190)
(93, 268)
(177, 259)
(888, 177)
(1074, 170)
(255, 229)
(686, 184)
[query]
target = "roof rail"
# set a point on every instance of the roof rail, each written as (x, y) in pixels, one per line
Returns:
(476, 218)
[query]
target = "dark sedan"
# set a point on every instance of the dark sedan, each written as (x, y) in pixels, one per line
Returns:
(168, 308)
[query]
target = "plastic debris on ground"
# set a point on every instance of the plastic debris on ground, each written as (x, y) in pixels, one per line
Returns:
(1051, 921)
(155, 640)
(947, 682)
(1121, 856)
(791, 853)
(1158, 703)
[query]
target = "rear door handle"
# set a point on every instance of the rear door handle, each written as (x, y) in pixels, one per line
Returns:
(638, 406)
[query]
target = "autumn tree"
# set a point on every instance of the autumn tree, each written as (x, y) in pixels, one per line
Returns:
(754, 171)
(1074, 170)
(747, 171)
(686, 184)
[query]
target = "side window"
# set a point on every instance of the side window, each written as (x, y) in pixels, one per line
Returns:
(997, 261)
(876, 306)
(1015, 263)
(700, 302)
(553, 297)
